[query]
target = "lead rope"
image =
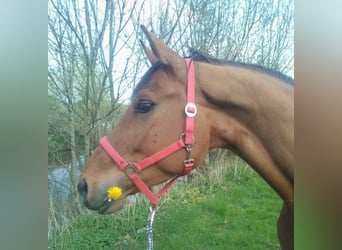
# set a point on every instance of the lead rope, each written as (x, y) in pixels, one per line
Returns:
(149, 227)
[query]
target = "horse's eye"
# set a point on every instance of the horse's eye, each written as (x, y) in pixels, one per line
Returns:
(144, 106)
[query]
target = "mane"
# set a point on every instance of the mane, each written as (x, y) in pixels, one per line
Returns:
(201, 57)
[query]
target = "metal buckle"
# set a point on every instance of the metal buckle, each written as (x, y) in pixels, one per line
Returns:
(188, 150)
(189, 161)
(190, 109)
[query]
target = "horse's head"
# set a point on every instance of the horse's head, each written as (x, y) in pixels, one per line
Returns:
(154, 120)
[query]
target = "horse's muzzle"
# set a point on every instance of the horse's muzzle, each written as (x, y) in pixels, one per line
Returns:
(101, 205)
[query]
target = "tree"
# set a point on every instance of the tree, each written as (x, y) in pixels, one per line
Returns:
(254, 31)
(87, 74)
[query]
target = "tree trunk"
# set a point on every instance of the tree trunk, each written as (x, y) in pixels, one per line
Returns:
(86, 147)
(74, 164)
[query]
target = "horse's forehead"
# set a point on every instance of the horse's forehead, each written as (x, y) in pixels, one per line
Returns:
(146, 77)
(157, 79)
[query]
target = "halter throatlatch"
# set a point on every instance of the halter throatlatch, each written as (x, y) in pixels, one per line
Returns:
(185, 141)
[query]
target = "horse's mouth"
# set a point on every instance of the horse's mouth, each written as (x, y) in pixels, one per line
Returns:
(104, 207)
(109, 207)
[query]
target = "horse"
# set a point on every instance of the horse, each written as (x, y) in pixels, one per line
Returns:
(182, 108)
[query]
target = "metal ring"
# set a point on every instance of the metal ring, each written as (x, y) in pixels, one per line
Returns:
(192, 106)
(131, 165)
(182, 137)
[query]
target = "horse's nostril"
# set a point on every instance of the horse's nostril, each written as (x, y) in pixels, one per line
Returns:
(83, 189)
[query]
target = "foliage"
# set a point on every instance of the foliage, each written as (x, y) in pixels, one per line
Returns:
(239, 211)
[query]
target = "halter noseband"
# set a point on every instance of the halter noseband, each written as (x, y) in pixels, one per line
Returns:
(185, 141)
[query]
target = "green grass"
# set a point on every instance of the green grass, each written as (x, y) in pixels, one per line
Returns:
(234, 210)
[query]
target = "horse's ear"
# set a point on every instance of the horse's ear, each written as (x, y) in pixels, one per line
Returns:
(149, 53)
(161, 51)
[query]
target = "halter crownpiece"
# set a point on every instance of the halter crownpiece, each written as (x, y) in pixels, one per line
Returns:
(187, 138)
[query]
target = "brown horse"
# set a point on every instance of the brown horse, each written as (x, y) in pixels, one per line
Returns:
(245, 108)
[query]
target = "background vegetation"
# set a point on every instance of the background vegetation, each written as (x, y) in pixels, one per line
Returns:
(230, 207)
(95, 61)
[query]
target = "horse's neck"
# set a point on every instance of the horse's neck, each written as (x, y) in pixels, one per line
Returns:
(251, 114)
(245, 90)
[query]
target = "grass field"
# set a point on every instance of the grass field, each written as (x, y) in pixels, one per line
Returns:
(228, 207)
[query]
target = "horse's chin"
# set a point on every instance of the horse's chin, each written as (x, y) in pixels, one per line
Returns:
(111, 207)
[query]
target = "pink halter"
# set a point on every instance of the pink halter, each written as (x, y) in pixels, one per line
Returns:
(185, 141)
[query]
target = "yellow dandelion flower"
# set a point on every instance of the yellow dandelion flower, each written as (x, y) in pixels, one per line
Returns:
(114, 193)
